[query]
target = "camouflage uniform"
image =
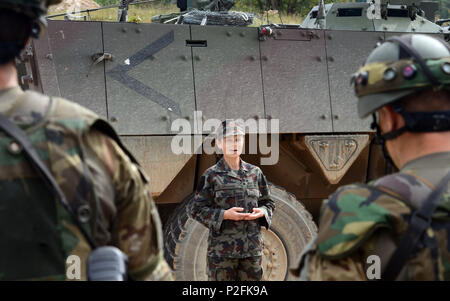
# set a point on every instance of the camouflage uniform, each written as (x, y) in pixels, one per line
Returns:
(228, 269)
(361, 220)
(100, 180)
(234, 247)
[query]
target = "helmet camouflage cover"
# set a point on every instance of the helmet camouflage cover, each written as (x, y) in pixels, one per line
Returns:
(399, 67)
(32, 8)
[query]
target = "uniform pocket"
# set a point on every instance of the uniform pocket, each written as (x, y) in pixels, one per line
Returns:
(225, 196)
(253, 192)
(224, 193)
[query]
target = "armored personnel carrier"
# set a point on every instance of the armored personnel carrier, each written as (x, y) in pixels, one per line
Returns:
(158, 83)
(388, 16)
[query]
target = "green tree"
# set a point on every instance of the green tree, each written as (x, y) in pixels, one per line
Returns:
(444, 9)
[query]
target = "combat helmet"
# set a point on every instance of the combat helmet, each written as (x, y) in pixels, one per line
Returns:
(34, 9)
(399, 67)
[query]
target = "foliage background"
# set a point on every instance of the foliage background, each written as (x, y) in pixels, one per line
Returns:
(300, 7)
(444, 9)
(285, 6)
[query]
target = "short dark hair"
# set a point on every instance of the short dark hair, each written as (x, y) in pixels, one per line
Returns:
(427, 101)
(15, 29)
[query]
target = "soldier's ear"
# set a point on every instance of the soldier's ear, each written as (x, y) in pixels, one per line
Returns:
(219, 143)
(387, 119)
(397, 120)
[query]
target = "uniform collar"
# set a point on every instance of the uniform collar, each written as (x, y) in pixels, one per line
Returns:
(433, 160)
(223, 166)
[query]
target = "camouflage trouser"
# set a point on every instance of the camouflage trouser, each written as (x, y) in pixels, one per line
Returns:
(235, 269)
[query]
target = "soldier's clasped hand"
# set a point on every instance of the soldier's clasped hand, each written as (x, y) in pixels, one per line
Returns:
(233, 214)
(257, 213)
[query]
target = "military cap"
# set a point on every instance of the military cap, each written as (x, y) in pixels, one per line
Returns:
(230, 127)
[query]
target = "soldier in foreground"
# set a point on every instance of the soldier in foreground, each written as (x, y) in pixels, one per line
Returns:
(403, 218)
(233, 201)
(105, 188)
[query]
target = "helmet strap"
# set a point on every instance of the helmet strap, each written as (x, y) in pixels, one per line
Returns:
(381, 140)
(416, 122)
(424, 122)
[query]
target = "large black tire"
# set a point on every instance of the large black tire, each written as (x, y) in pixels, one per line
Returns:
(292, 227)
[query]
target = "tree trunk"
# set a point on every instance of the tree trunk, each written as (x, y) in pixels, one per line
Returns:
(274, 4)
(261, 5)
(291, 6)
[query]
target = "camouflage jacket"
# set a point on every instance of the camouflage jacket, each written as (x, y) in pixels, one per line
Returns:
(221, 188)
(100, 179)
(363, 220)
